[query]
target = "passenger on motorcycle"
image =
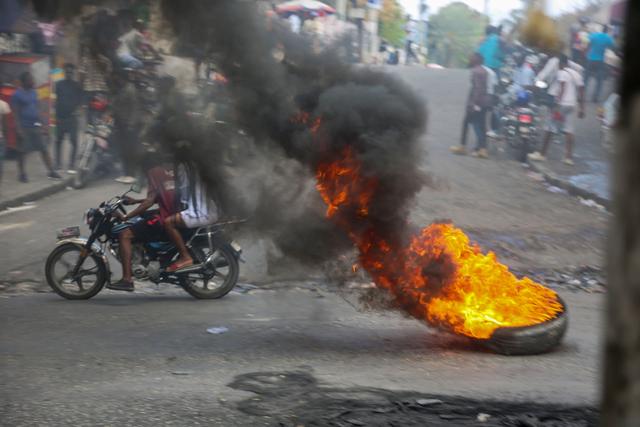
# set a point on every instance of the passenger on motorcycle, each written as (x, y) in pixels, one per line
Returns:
(161, 190)
(198, 210)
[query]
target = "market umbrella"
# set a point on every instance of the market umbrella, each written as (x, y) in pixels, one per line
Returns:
(305, 7)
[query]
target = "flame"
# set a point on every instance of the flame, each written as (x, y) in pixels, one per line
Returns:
(439, 276)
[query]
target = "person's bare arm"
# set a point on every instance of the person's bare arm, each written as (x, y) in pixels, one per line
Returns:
(145, 204)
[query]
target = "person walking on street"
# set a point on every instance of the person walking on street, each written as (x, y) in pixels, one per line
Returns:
(69, 97)
(29, 127)
(579, 42)
(127, 114)
(568, 90)
(492, 52)
(5, 110)
(598, 44)
(476, 109)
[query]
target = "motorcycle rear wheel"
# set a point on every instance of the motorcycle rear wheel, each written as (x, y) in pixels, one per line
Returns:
(62, 284)
(220, 274)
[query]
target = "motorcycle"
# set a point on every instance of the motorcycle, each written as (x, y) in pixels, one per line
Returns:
(520, 126)
(78, 267)
(96, 158)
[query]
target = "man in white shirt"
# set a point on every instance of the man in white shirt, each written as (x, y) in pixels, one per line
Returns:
(492, 83)
(568, 91)
(524, 76)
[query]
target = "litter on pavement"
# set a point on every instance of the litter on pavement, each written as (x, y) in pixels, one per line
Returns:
(217, 330)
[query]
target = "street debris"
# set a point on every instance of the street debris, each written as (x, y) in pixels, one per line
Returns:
(482, 417)
(592, 204)
(428, 402)
(538, 177)
(584, 278)
(217, 330)
(556, 190)
(243, 288)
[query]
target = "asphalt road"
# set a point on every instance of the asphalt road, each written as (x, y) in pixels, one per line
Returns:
(146, 358)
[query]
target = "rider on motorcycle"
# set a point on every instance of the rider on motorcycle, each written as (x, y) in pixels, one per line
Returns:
(161, 190)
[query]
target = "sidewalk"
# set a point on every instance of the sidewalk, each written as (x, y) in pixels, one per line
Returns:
(14, 193)
(589, 177)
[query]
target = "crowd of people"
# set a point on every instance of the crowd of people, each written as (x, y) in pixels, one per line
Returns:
(566, 79)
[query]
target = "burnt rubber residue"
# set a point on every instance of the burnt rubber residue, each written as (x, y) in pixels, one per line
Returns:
(297, 398)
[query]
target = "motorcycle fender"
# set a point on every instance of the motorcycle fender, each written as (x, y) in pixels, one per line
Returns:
(95, 248)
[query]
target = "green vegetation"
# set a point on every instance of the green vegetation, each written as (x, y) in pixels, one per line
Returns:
(392, 22)
(456, 31)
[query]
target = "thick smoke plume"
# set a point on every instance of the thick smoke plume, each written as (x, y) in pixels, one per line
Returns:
(375, 114)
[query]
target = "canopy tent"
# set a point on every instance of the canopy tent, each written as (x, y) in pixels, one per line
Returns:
(306, 8)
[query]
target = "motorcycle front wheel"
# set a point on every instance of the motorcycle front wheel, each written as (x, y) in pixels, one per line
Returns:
(218, 276)
(91, 277)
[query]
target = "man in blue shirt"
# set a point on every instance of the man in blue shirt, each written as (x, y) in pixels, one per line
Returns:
(491, 50)
(29, 128)
(598, 44)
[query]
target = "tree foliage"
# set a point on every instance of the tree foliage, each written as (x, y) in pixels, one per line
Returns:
(456, 31)
(392, 22)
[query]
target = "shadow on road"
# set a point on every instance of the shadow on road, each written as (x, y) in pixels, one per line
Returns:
(297, 398)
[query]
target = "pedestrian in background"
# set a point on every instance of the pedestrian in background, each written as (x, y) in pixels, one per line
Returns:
(69, 98)
(5, 110)
(93, 71)
(127, 114)
(492, 52)
(568, 90)
(29, 126)
(599, 42)
(476, 109)
(579, 42)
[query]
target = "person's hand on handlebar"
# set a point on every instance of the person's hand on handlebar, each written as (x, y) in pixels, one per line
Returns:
(126, 200)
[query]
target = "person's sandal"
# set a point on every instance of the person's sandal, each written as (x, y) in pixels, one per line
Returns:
(121, 285)
(176, 267)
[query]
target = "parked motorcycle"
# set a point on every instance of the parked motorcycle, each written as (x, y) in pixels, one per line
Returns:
(78, 267)
(519, 125)
(96, 157)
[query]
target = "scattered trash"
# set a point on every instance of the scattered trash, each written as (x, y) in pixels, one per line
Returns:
(453, 417)
(483, 418)
(586, 278)
(557, 190)
(591, 203)
(217, 330)
(244, 288)
(428, 402)
(538, 177)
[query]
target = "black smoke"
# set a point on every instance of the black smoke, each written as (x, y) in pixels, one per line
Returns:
(369, 110)
(274, 75)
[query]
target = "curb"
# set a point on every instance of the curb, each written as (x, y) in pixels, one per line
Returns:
(36, 195)
(555, 180)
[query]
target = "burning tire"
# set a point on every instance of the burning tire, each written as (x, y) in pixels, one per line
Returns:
(536, 339)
